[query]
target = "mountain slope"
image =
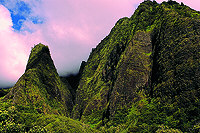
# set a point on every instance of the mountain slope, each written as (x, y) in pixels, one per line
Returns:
(176, 75)
(40, 100)
(152, 56)
(40, 86)
(105, 66)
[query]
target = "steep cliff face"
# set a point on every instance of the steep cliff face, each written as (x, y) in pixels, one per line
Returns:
(176, 60)
(116, 69)
(40, 86)
(152, 55)
(133, 73)
(98, 94)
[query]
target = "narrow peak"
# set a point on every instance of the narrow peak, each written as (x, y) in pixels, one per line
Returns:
(39, 54)
(37, 49)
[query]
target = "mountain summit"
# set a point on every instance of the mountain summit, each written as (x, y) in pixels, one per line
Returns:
(40, 86)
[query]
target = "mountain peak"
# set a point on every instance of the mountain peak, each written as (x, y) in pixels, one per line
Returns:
(41, 86)
(40, 55)
(39, 48)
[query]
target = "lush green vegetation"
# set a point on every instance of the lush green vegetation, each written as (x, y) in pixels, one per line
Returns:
(152, 55)
(4, 91)
(40, 100)
(41, 87)
(18, 118)
(143, 77)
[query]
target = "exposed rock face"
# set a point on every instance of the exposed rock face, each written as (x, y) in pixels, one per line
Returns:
(134, 70)
(40, 86)
(153, 54)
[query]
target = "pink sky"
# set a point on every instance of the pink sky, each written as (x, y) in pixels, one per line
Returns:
(71, 30)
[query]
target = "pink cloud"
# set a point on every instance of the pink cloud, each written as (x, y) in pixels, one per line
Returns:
(5, 19)
(70, 29)
(73, 28)
(13, 56)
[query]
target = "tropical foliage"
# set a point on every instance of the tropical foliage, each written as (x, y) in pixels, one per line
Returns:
(143, 77)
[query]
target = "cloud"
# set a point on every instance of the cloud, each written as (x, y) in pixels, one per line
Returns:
(70, 29)
(5, 19)
(12, 55)
(73, 28)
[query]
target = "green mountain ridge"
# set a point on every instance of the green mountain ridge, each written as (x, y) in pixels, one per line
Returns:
(143, 77)
(144, 57)
(40, 86)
